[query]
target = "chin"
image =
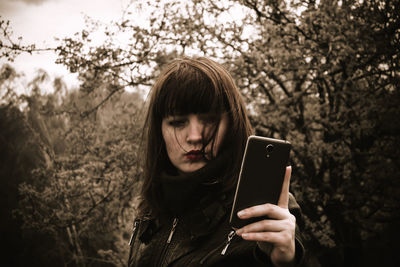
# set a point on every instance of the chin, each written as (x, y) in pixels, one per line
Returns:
(193, 167)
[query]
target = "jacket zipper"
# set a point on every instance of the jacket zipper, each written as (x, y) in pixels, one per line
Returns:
(174, 223)
(228, 242)
(134, 230)
(171, 233)
(224, 245)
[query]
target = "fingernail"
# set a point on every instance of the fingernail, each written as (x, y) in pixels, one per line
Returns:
(244, 235)
(241, 213)
(239, 231)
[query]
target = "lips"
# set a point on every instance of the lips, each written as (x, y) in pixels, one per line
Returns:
(194, 155)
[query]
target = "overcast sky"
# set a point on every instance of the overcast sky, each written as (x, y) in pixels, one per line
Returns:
(39, 21)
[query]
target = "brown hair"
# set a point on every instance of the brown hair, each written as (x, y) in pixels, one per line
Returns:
(191, 86)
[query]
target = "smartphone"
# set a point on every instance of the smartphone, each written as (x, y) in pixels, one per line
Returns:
(261, 176)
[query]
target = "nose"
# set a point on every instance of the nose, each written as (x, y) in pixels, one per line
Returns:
(195, 131)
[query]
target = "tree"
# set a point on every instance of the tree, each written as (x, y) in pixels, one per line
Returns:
(90, 189)
(22, 151)
(76, 174)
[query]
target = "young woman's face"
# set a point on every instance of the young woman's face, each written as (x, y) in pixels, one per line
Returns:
(183, 137)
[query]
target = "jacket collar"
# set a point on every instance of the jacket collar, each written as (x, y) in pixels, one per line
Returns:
(198, 223)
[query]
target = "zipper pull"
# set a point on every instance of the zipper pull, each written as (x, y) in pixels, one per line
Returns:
(172, 230)
(135, 224)
(228, 242)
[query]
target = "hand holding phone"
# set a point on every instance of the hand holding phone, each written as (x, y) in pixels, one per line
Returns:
(261, 176)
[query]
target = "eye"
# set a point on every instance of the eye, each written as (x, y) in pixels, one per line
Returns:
(209, 119)
(176, 123)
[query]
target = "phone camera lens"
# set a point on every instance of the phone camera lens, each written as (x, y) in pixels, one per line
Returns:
(269, 148)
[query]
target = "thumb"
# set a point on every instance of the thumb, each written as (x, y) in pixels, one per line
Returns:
(284, 197)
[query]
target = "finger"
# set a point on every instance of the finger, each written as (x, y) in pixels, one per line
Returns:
(270, 237)
(262, 226)
(270, 210)
(284, 197)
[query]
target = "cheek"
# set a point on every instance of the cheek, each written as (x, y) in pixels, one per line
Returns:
(167, 140)
(219, 138)
(170, 142)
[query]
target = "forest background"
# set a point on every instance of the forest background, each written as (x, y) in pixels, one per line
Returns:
(322, 74)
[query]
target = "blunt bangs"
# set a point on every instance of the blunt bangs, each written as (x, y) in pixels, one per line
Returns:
(188, 90)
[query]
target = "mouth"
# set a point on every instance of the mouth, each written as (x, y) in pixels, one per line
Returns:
(195, 155)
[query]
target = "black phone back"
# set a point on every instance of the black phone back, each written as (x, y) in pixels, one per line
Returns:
(261, 176)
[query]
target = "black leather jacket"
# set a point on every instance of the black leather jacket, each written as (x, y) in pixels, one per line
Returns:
(199, 238)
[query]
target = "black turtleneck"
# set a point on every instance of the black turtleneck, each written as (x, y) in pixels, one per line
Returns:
(179, 192)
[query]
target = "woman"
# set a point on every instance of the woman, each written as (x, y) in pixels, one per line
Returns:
(196, 130)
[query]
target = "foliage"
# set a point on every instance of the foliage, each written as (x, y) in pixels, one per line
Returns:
(83, 197)
(92, 184)
(10, 48)
(21, 152)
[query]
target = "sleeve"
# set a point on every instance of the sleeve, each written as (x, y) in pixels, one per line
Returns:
(295, 209)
